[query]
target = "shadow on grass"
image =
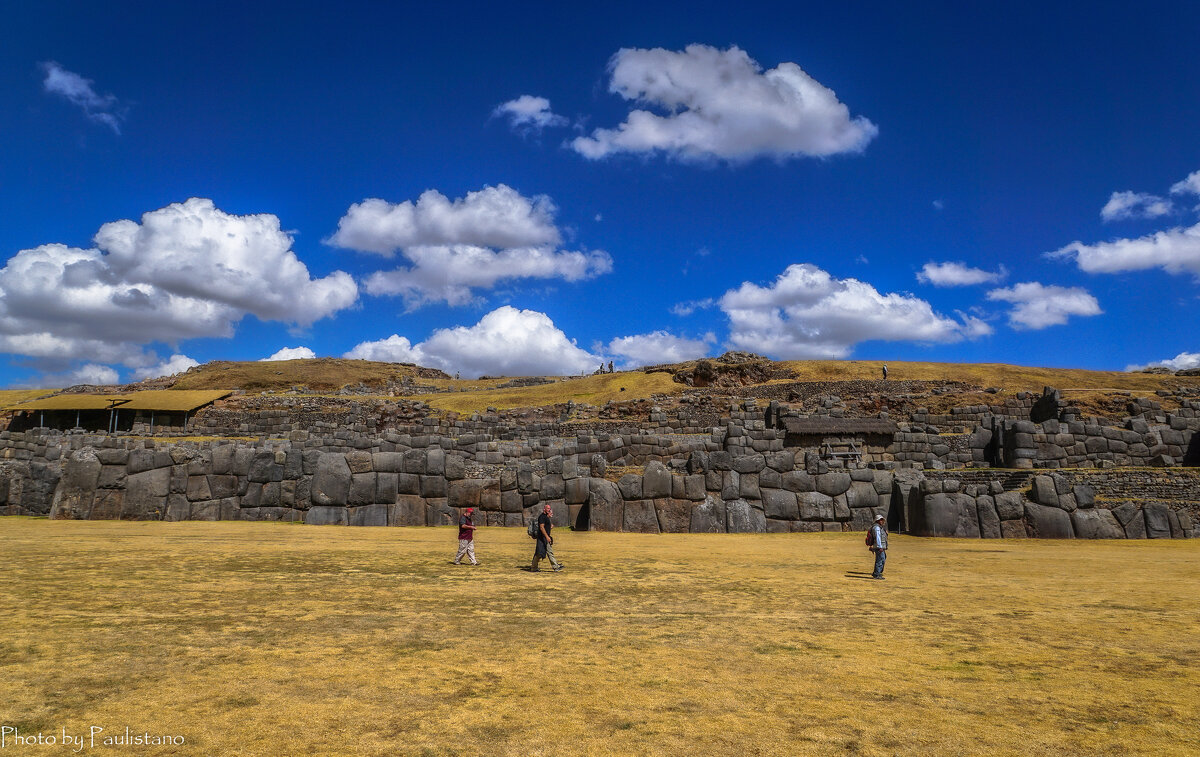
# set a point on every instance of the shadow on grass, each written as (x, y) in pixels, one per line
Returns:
(859, 574)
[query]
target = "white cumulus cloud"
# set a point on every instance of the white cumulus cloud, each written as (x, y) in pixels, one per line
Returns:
(807, 313)
(498, 216)
(104, 109)
(1189, 185)
(1125, 205)
(187, 271)
(529, 113)
(720, 104)
(1174, 250)
(1181, 362)
(454, 248)
(169, 367)
(1037, 306)
(290, 353)
(505, 342)
(957, 274)
(658, 347)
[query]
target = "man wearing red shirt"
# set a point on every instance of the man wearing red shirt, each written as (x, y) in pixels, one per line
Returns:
(466, 537)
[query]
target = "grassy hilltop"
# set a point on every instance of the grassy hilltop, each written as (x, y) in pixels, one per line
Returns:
(331, 375)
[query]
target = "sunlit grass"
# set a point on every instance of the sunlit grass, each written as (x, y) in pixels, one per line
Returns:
(256, 638)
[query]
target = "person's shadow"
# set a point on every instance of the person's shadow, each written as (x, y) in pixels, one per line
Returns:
(859, 574)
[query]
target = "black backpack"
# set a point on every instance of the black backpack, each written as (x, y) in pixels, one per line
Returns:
(533, 530)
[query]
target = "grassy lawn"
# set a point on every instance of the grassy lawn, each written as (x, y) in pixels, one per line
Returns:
(258, 638)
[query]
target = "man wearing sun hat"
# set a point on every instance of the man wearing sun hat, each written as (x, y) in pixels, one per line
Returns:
(466, 537)
(878, 542)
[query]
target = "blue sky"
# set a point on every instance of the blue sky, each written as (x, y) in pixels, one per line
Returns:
(534, 189)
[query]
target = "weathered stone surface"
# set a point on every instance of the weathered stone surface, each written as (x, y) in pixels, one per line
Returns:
(607, 508)
(780, 504)
(553, 486)
(178, 507)
(385, 488)
(946, 515)
(455, 467)
(409, 510)
(815, 506)
(749, 463)
(1135, 528)
(439, 513)
(408, 483)
(362, 489)
(576, 491)
(387, 462)
(1010, 505)
(748, 486)
(741, 517)
(327, 516)
(862, 494)
(708, 517)
(368, 515)
(433, 487)
(1085, 496)
(77, 487)
(1158, 524)
(640, 517)
(1046, 522)
(799, 481)
(1044, 492)
(1096, 523)
(146, 495)
(107, 504)
(656, 481)
(833, 484)
(1013, 529)
(861, 519)
(989, 519)
(1126, 512)
(674, 515)
(330, 484)
(630, 486)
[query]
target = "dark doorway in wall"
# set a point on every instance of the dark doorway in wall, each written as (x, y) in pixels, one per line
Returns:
(583, 521)
(896, 522)
(1191, 457)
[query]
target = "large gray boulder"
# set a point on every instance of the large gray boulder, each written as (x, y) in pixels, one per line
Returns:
(331, 482)
(1096, 523)
(862, 494)
(741, 517)
(815, 506)
(989, 520)
(833, 484)
(945, 515)
(674, 515)
(708, 517)
(1010, 505)
(656, 481)
(146, 495)
(327, 516)
(1158, 522)
(1046, 522)
(77, 487)
(607, 507)
(640, 517)
(780, 504)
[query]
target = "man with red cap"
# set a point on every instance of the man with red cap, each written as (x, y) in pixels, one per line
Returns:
(466, 537)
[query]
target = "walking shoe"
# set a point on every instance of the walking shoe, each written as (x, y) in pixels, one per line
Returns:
(877, 578)
(558, 567)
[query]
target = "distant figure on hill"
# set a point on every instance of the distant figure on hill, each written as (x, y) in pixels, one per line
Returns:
(545, 542)
(877, 543)
(466, 537)
(885, 371)
(610, 366)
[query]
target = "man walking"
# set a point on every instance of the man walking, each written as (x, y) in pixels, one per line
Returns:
(885, 371)
(879, 545)
(466, 537)
(545, 542)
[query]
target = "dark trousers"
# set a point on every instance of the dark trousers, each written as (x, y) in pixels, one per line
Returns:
(880, 559)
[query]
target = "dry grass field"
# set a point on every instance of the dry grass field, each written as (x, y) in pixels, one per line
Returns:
(271, 639)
